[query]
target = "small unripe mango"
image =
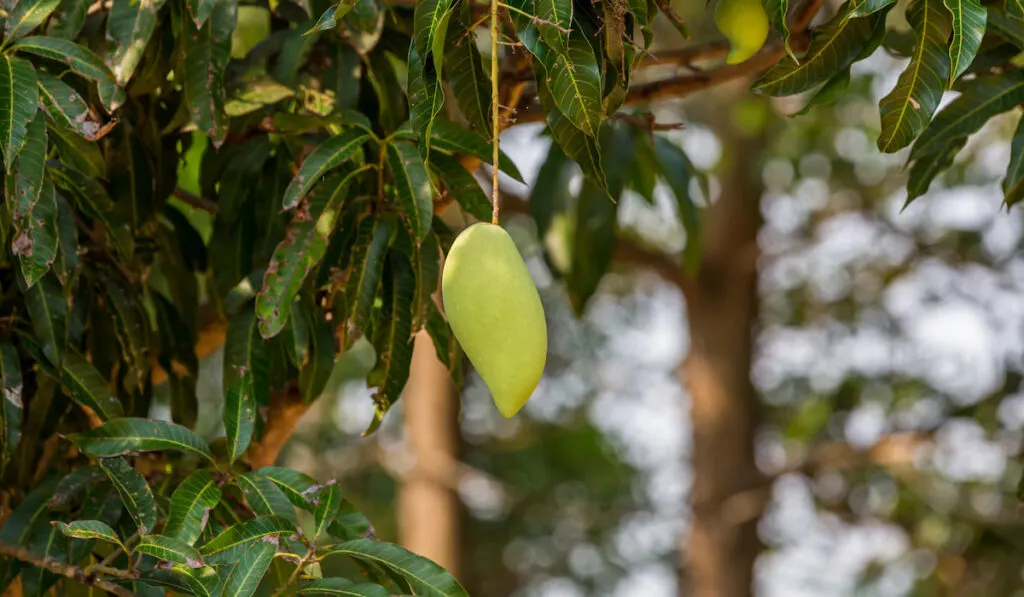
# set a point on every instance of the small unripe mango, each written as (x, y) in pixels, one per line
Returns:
(745, 24)
(495, 313)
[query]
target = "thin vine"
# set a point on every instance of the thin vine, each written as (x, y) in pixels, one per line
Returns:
(495, 115)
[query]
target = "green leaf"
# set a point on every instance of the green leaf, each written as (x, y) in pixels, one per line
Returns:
(448, 136)
(88, 388)
(342, 588)
(392, 339)
(25, 15)
(318, 365)
(968, 28)
(34, 206)
(1014, 8)
(200, 11)
(346, 147)
(246, 351)
(301, 250)
(206, 57)
(130, 24)
(364, 273)
(190, 505)
(65, 107)
(678, 170)
(426, 98)
(48, 311)
(68, 20)
(264, 497)
(834, 46)
(575, 83)
(201, 582)
(828, 93)
(124, 435)
(94, 201)
(980, 100)
(329, 19)
(178, 358)
(169, 549)
(67, 231)
(426, 261)
(412, 184)
(17, 104)
(80, 59)
(131, 327)
(551, 190)
(11, 404)
(229, 545)
(863, 8)
(593, 243)
(909, 107)
(778, 11)
(239, 415)
(462, 186)
(554, 22)
(328, 500)
(135, 493)
(247, 573)
(79, 155)
(425, 577)
(255, 94)
(297, 487)
(924, 170)
(582, 149)
(469, 81)
(89, 529)
(1013, 184)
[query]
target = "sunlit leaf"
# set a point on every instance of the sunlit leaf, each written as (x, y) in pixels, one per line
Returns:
(230, 544)
(135, 493)
(250, 569)
(25, 15)
(89, 529)
(190, 505)
(339, 149)
(424, 576)
(239, 415)
(264, 496)
(169, 549)
(80, 59)
(206, 57)
(467, 76)
(125, 435)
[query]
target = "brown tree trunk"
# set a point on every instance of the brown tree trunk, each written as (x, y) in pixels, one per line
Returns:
(722, 312)
(428, 508)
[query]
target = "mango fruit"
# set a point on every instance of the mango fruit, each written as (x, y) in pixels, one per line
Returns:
(745, 24)
(495, 312)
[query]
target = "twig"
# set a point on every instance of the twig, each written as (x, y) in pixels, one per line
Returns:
(66, 570)
(495, 114)
(195, 201)
(295, 574)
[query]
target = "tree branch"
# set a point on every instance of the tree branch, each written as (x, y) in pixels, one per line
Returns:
(66, 570)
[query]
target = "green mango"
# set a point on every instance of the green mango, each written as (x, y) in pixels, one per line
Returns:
(745, 24)
(495, 312)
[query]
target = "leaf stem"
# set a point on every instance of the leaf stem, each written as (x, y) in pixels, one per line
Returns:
(495, 115)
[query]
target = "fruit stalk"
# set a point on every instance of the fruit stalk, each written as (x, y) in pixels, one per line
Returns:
(495, 119)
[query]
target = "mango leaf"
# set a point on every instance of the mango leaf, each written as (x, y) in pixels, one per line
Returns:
(342, 588)
(299, 488)
(582, 149)
(25, 15)
(239, 415)
(206, 57)
(968, 28)
(426, 98)
(169, 549)
(131, 327)
(30, 514)
(339, 149)
(301, 250)
(364, 273)
(68, 20)
(200, 11)
(554, 20)
(425, 577)
(190, 505)
(318, 365)
(1014, 8)
(980, 100)
(412, 183)
(49, 543)
(551, 189)
(392, 339)
(329, 19)
(678, 171)
(250, 569)
(230, 544)
(863, 8)
(87, 387)
(575, 84)
(924, 170)
(469, 80)
(328, 500)
(1013, 183)
(178, 358)
(778, 11)
(834, 46)
(246, 351)
(135, 493)
(255, 94)
(426, 262)
(130, 24)
(65, 107)
(201, 582)
(448, 136)
(11, 404)
(17, 105)
(125, 435)
(908, 108)
(89, 529)
(33, 206)
(48, 311)
(80, 59)
(264, 497)
(462, 186)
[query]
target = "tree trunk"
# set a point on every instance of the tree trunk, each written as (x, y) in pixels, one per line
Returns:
(722, 308)
(428, 508)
